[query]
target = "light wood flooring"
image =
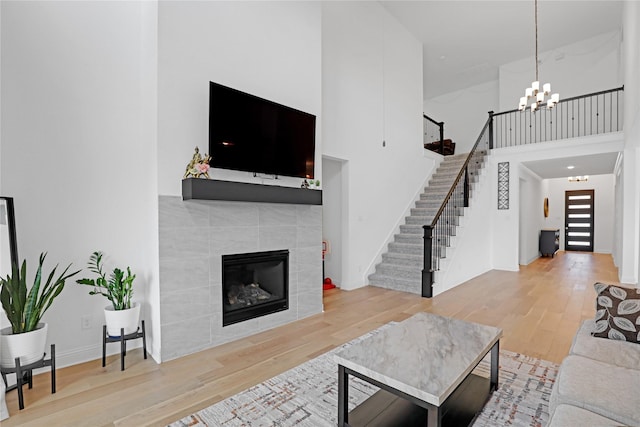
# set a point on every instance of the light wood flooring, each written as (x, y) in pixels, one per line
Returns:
(539, 308)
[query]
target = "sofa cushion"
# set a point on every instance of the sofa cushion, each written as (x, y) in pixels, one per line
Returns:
(616, 352)
(617, 313)
(608, 390)
(567, 415)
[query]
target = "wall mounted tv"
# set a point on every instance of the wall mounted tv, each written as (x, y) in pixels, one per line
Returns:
(248, 133)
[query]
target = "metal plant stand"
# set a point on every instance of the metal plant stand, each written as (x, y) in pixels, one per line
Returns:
(122, 339)
(24, 374)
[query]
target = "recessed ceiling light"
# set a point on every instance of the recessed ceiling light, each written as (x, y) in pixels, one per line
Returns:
(570, 167)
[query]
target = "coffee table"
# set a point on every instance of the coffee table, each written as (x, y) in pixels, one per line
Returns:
(423, 367)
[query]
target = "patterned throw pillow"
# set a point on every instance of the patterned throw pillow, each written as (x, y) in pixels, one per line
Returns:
(617, 313)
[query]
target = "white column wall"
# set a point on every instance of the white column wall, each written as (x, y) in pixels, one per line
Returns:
(629, 259)
(531, 215)
(372, 110)
(77, 154)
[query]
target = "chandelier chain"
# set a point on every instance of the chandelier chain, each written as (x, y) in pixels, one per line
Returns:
(536, 23)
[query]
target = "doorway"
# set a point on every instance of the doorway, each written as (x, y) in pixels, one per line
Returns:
(334, 214)
(579, 220)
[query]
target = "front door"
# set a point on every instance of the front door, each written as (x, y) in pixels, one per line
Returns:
(578, 222)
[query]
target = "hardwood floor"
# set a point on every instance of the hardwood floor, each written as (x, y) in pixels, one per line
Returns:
(539, 308)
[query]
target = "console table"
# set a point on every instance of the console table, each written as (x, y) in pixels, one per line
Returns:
(549, 241)
(24, 374)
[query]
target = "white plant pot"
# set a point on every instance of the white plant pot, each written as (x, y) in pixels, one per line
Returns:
(28, 346)
(118, 319)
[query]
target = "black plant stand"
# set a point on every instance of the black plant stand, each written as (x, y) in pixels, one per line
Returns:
(24, 374)
(122, 339)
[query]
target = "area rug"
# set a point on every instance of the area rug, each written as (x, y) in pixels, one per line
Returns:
(307, 396)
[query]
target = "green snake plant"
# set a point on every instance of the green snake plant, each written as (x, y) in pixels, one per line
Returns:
(118, 288)
(25, 309)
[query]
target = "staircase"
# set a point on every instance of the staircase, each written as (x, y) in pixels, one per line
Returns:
(401, 267)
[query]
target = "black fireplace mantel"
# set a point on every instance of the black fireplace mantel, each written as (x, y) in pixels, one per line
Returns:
(212, 189)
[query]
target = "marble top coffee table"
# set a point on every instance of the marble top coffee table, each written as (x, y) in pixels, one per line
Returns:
(423, 367)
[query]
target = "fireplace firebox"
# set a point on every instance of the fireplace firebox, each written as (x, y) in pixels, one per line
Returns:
(254, 284)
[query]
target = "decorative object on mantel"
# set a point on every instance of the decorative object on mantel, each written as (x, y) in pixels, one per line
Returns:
(311, 184)
(198, 167)
(122, 313)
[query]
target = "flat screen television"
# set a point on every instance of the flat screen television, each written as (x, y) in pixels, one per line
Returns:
(248, 133)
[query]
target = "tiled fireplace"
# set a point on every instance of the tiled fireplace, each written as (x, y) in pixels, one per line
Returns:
(196, 234)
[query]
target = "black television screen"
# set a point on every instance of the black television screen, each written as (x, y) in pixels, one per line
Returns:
(248, 133)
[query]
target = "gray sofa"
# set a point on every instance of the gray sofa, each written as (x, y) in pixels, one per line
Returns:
(598, 383)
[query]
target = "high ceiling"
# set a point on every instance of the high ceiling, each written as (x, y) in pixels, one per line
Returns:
(465, 42)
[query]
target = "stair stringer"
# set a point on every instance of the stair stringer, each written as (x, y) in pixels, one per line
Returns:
(472, 253)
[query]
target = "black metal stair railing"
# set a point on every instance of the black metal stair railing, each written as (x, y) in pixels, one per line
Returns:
(591, 114)
(437, 235)
(432, 131)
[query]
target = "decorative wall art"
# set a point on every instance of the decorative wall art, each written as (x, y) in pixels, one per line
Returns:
(503, 185)
(545, 207)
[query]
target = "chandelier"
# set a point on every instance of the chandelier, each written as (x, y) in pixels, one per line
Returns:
(542, 97)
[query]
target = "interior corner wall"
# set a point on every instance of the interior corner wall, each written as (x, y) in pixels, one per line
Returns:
(464, 112)
(268, 49)
(531, 215)
(76, 154)
(372, 119)
(629, 259)
(580, 68)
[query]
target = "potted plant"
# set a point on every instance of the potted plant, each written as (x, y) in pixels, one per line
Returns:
(118, 289)
(27, 336)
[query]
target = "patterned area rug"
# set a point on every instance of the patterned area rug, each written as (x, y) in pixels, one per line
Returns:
(307, 396)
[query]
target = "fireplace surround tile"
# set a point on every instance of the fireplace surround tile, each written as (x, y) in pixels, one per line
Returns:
(277, 214)
(191, 269)
(185, 300)
(176, 214)
(229, 240)
(233, 214)
(183, 242)
(193, 333)
(172, 270)
(274, 237)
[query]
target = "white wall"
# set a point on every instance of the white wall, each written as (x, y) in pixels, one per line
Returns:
(629, 260)
(77, 155)
(268, 49)
(531, 199)
(464, 112)
(372, 93)
(577, 69)
(604, 215)
(471, 247)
